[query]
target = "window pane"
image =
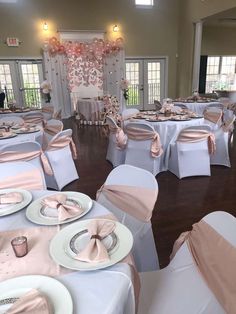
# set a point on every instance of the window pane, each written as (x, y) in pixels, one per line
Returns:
(132, 75)
(154, 79)
(144, 2)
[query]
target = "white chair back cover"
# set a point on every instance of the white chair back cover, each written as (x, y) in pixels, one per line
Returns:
(129, 113)
(34, 117)
(22, 175)
(61, 161)
(144, 250)
(47, 111)
(12, 119)
(24, 148)
(52, 127)
(180, 288)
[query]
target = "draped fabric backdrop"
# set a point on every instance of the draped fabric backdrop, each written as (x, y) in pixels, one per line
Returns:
(56, 74)
(114, 71)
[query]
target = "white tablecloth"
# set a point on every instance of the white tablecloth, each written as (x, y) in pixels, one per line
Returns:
(36, 136)
(90, 109)
(197, 107)
(168, 131)
(108, 291)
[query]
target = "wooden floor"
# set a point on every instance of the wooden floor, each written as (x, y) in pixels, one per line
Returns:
(180, 202)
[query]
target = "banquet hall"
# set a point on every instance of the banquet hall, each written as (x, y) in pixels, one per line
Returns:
(117, 157)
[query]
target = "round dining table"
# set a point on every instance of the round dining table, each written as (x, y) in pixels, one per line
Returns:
(90, 109)
(168, 132)
(27, 137)
(197, 107)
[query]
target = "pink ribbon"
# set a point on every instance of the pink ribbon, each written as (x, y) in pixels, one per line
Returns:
(65, 211)
(57, 115)
(62, 142)
(121, 138)
(26, 156)
(35, 119)
(48, 109)
(95, 251)
(52, 129)
(138, 134)
(212, 116)
(194, 135)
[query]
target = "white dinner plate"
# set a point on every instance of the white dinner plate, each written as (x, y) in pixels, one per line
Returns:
(38, 215)
(56, 292)
(7, 209)
(62, 252)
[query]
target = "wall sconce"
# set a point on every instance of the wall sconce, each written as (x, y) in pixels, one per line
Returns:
(116, 28)
(45, 26)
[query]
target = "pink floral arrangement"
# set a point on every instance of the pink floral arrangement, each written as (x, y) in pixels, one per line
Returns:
(46, 88)
(124, 85)
(111, 108)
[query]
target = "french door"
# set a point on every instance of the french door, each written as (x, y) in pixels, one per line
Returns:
(20, 80)
(147, 82)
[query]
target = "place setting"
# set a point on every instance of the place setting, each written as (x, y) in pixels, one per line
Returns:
(13, 200)
(59, 208)
(7, 134)
(27, 129)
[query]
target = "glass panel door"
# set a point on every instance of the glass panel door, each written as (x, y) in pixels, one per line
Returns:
(147, 82)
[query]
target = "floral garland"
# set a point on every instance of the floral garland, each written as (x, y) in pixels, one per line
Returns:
(111, 108)
(85, 59)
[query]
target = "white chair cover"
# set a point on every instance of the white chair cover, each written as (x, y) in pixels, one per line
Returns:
(52, 127)
(22, 175)
(213, 110)
(25, 147)
(179, 288)
(129, 113)
(190, 159)
(115, 155)
(61, 161)
(144, 250)
(138, 152)
(47, 111)
(34, 117)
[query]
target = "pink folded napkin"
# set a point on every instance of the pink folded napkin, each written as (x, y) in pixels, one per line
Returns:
(11, 198)
(65, 211)
(31, 302)
(95, 251)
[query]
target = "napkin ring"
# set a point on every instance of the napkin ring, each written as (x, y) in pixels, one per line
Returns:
(96, 236)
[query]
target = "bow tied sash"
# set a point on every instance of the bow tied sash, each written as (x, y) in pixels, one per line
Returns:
(136, 201)
(215, 259)
(197, 135)
(62, 142)
(32, 302)
(11, 198)
(95, 251)
(35, 119)
(138, 134)
(8, 156)
(48, 109)
(59, 202)
(121, 138)
(52, 129)
(212, 116)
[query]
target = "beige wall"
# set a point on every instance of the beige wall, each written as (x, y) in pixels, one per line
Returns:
(147, 32)
(219, 40)
(193, 11)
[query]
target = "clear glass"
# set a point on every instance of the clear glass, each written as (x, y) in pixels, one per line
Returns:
(20, 246)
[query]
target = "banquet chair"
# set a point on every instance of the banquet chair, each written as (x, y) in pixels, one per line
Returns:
(179, 288)
(57, 114)
(213, 116)
(139, 151)
(26, 151)
(129, 113)
(115, 151)
(126, 176)
(34, 117)
(222, 137)
(21, 175)
(215, 105)
(157, 105)
(191, 157)
(60, 152)
(12, 119)
(47, 111)
(52, 127)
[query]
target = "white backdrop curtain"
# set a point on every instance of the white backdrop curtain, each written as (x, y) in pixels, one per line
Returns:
(114, 71)
(55, 73)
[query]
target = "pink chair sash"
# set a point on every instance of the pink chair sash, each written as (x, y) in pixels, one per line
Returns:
(32, 302)
(29, 180)
(121, 138)
(136, 201)
(52, 129)
(194, 135)
(215, 258)
(35, 119)
(138, 134)
(212, 116)
(228, 126)
(57, 115)
(62, 142)
(48, 109)
(26, 156)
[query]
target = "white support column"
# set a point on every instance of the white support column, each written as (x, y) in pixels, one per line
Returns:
(197, 55)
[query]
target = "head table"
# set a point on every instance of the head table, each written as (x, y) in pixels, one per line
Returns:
(90, 109)
(104, 291)
(168, 132)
